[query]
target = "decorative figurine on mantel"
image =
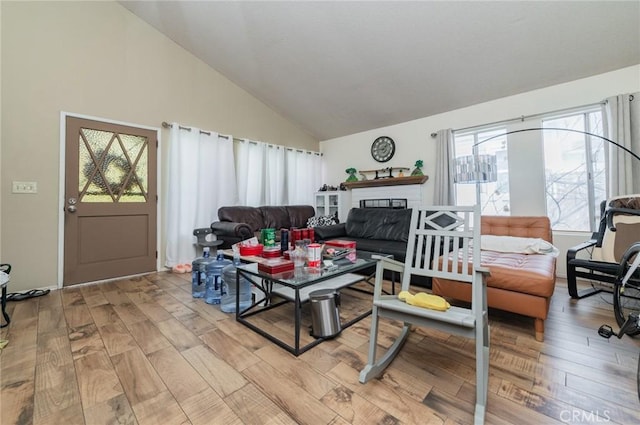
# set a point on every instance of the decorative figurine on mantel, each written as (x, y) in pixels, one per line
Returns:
(418, 170)
(352, 175)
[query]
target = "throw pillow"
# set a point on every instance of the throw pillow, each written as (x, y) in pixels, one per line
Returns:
(322, 220)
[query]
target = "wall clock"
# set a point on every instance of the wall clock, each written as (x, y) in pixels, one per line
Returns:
(383, 149)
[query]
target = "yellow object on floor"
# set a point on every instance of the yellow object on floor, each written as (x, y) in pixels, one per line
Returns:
(422, 299)
(3, 343)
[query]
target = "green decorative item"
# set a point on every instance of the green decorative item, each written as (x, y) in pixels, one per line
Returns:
(352, 175)
(418, 170)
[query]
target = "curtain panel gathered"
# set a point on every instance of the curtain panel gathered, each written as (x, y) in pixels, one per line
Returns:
(275, 175)
(443, 182)
(303, 177)
(274, 178)
(622, 115)
(200, 165)
(250, 164)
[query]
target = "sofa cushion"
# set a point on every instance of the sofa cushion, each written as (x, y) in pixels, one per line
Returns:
(299, 214)
(520, 226)
(239, 214)
(275, 217)
(396, 248)
(532, 274)
(379, 223)
(529, 274)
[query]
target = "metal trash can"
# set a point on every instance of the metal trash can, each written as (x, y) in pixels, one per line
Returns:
(325, 315)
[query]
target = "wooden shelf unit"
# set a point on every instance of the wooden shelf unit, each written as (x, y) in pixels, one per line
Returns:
(393, 181)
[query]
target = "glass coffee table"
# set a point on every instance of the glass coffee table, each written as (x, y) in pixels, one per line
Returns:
(294, 287)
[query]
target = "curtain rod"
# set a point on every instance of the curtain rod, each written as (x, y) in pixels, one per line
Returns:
(526, 117)
(167, 125)
(208, 133)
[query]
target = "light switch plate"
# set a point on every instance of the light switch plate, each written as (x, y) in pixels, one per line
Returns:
(25, 187)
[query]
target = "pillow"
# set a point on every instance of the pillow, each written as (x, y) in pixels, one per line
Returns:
(614, 244)
(517, 244)
(322, 220)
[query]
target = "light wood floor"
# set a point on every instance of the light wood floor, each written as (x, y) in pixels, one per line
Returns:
(143, 351)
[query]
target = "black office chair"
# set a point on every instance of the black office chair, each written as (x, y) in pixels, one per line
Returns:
(201, 234)
(619, 229)
(6, 268)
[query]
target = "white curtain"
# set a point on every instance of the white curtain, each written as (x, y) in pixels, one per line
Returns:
(443, 182)
(250, 163)
(274, 175)
(303, 176)
(200, 164)
(622, 114)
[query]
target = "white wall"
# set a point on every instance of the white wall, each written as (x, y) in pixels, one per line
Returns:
(413, 140)
(97, 59)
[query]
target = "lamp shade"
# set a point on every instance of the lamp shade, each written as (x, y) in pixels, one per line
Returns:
(476, 169)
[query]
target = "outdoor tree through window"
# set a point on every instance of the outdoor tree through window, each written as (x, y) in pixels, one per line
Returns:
(545, 165)
(574, 170)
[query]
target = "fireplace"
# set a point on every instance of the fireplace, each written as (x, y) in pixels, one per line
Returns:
(395, 203)
(411, 189)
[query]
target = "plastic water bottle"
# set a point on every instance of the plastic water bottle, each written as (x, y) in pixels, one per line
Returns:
(214, 289)
(199, 273)
(228, 303)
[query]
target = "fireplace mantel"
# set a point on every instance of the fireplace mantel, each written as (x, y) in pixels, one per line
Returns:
(393, 181)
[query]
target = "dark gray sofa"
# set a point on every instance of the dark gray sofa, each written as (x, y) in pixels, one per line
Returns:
(237, 223)
(380, 230)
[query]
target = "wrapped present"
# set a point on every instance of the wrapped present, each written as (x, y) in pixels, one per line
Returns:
(275, 265)
(271, 252)
(341, 243)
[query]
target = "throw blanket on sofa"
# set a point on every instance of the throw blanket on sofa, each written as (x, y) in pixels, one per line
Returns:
(518, 245)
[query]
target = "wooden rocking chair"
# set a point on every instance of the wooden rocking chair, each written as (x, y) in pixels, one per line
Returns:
(460, 261)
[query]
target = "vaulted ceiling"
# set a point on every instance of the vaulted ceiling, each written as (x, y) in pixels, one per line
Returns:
(337, 68)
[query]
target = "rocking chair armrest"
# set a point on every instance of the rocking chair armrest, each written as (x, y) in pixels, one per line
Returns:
(571, 252)
(484, 270)
(389, 263)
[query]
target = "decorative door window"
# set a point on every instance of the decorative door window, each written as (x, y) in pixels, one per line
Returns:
(113, 167)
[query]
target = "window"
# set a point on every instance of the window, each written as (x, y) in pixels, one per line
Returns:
(574, 165)
(493, 194)
(545, 165)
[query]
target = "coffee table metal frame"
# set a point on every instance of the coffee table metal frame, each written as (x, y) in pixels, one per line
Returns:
(296, 280)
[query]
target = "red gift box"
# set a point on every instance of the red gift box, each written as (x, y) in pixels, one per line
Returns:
(251, 250)
(275, 265)
(271, 252)
(341, 243)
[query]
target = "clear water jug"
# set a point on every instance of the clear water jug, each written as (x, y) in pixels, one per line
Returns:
(214, 289)
(199, 273)
(229, 278)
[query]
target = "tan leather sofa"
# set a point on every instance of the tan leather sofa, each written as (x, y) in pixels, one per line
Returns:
(519, 283)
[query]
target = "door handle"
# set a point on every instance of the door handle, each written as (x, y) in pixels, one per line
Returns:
(72, 205)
